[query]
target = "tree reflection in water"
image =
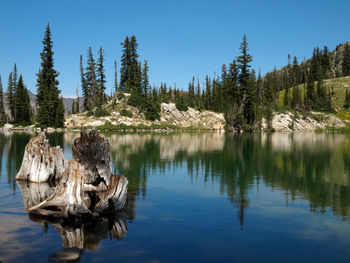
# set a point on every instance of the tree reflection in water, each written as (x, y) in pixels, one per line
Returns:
(308, 166)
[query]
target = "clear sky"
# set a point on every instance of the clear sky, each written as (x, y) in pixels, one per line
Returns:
(179, 39)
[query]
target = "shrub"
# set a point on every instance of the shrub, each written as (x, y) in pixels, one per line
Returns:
(181, 106)
(126, 113)
(101, 112)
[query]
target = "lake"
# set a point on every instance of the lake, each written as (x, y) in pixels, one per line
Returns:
(196, 197)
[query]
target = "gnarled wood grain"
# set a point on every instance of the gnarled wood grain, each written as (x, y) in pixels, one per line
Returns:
(41, 162)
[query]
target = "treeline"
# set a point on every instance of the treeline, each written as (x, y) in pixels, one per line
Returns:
(49, 105)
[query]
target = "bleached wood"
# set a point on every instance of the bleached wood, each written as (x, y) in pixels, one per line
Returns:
(41, 162)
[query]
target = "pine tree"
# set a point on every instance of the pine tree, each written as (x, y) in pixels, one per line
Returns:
(125, 66)
(84, 87)
(2, 109)
(346, 60)
(246, 86)
(47, 99)
(145, 81)
(101, 79)
(115, 77)
(91, 81)
(77, 107)
(10, 95)
(73, 107)
(198, 95)
(22, 104)
(191, 94)
(135, 67)
(59, 120)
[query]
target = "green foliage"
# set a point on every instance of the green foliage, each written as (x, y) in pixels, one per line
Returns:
(126, 113)
(347, 100)
(346, 60)
(181, 106)
(101, 112)
(2, 108)
(22, 103)
(47, 99)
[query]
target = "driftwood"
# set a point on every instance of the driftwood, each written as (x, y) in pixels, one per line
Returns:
(86, 187)
(41, 162)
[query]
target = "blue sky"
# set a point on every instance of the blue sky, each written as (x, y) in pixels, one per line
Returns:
(179, 39)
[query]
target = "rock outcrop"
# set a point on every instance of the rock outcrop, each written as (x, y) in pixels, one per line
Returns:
(284, 122)
(169, 115)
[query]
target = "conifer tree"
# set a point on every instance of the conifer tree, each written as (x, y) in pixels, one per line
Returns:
(2, 109)
(59, 120)
(73, 107)
(47, 99)
(115, 76)
(77, 107)
(125, 66)
(91, 80)
(101, 79)
(191, 94)
(10, 95)
(198, 95)
(145, 81)
(22, 103)
(84, 87)
(246, 86)
(346, 60)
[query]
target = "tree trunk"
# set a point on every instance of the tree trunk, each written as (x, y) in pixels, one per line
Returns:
(86, 188)
(92, 151)
(68, 198)
(41, 162)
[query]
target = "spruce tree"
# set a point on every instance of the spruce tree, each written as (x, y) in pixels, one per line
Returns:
(101, 79)
(145, 81)
(73, 107)
(115, 77)
(84, 87)
(91, 80)
(10, 95)
(59, 120)
(22, 104)
(125, 66)
(47, 99)
(346, 60)
(2, 109)
(246, 85)
(191, 94)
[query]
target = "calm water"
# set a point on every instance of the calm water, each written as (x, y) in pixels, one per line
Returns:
(197, 198)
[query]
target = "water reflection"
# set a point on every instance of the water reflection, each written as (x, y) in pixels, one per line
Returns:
(77, 235)
(314, 168)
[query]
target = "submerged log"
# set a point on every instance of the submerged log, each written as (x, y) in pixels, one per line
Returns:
(92, 151)
(41, 162)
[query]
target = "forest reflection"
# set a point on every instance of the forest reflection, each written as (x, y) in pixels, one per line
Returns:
(307, 166)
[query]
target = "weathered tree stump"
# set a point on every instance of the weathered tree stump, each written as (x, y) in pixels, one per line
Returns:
(92, 151)
(86, 187)
(41, 162)
(68, 197)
